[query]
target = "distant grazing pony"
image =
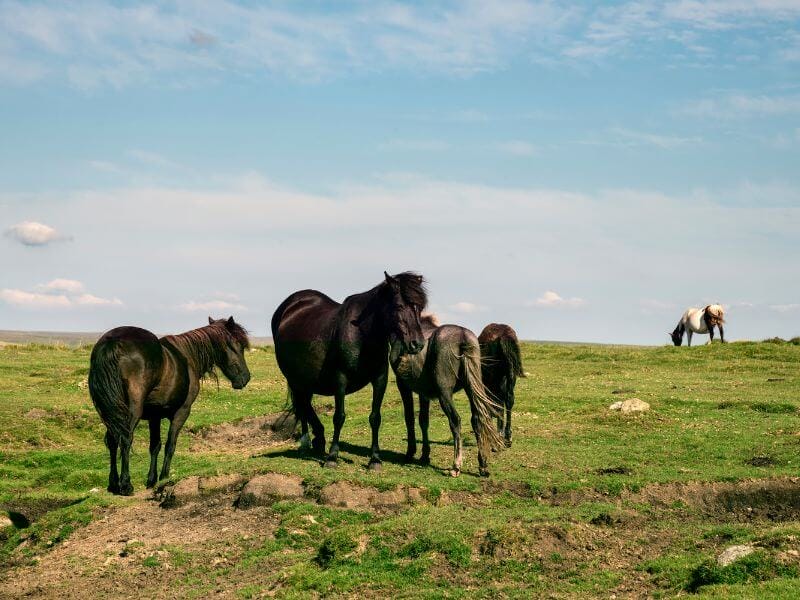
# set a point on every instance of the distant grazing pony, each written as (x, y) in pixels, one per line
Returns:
(134, 375)
(449, 361)
(699, 320)
(501, 364)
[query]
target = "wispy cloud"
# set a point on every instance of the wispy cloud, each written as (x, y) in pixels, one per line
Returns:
(622, 137)
(210, 306)
(415, 145)
(63, 285)
(33, 233)
(740, 106)
(516, 148)
(467, 308)
(785, 308)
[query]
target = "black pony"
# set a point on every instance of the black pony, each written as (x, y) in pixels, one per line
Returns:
(501, 364)
(323, 347)
(134, 375)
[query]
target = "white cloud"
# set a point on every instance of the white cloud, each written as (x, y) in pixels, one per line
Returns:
(63, 285)
(32, 233)
(58, 293)
(23, 299)
(467, 308)
(210, 306)
(551, 299)
(91, 300)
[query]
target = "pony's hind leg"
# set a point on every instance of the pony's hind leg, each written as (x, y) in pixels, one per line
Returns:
(454, 419)
(136, 404)
(155, 448)
(510, 384)
(113, 476)
(721, 333)
(424, 420)
(339, 417)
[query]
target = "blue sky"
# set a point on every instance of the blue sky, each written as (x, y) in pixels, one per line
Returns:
(582, 171)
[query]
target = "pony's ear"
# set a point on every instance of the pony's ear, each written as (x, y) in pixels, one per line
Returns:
(231, 321)
(389, 278)
(210, 321)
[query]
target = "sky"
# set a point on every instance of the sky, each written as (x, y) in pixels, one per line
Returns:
(581, 171)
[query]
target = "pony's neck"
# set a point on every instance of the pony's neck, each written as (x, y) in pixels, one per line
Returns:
(198, 349)
(369, 319)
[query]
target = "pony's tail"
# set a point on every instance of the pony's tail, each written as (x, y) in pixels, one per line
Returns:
(108, 392)
(510, 349)
(484, 409)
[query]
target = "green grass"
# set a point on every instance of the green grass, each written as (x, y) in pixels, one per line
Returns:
(718, 413)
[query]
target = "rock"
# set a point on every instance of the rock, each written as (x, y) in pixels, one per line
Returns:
(733, 553)
(5, 522)
(269, 488)
(632, 405)
(35, 414)
(183, 492)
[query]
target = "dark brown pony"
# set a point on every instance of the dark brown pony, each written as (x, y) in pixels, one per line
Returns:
(450, 361)
(323, 347)
(134, 375)
(501, 364)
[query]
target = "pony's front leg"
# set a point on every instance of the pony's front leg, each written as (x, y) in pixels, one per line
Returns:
(338, 420)
(424, 420)
(408, 412)
(721, 334)
(689, 337)
(711, 334)
(175, 425)
(378, 390)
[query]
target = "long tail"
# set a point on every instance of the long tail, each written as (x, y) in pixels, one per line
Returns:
(109, 396)
(481, 404)
(510, 349)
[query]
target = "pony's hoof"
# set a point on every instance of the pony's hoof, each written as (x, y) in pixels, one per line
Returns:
(318, 445)
(409, 457)
(150, 484)
(305, 442)
(330, 464)
(375, 466)
(425, 460)
(455, 472)
(483, 472)
(126, 490)
(113, 489)
(508, 442)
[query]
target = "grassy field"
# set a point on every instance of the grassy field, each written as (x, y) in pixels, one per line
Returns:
(587, 502)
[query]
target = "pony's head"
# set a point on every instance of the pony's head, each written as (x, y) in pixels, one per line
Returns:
(677, 336)
(403, 300)
(231, 343)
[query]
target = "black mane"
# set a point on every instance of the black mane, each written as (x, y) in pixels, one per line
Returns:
(413, 288)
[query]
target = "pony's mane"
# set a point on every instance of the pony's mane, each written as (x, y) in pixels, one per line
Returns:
(412, 288)
(199, 345)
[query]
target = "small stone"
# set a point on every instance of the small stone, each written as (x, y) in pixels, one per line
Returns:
(5, 522)
(632, 405)
(733, 553)
(270, 487)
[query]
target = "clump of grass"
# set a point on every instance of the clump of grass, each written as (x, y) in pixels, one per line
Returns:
(334, 548)
(758, 566)
(775, 408)
(456, 551)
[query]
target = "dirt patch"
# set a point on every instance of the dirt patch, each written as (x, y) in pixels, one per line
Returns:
(135, 549)
(771, 499)
(24, 511)
(348, 495)
(249, 436)
(761, 461)
(619, 470)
